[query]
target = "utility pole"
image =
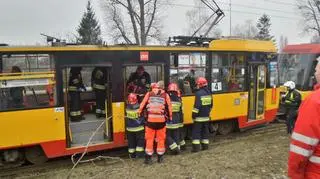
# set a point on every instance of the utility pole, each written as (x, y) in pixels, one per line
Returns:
(230, 15)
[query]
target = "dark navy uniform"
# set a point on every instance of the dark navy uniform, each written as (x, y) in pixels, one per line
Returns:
(135, 131)
(75, 87)
(201, 117)
(139, 84)
(292, 101)
(99, 85)
(173, 126)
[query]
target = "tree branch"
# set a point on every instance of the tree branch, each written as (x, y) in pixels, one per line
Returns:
(152, 16)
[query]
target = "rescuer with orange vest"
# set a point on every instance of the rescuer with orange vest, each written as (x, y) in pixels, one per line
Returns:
(158, 105)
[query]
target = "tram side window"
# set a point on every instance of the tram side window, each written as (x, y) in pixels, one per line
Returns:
(28, 62)
(185, 68)
(228, 72)
(21, 91)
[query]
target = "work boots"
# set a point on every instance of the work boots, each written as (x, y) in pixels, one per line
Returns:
(205, 146)
(148, 160)
(160, 158)
(195, 148)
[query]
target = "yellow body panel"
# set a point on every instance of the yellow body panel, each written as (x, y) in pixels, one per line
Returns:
(236, 104)
(18, 128)
(269, 104)
(242, 45)
(118, 117)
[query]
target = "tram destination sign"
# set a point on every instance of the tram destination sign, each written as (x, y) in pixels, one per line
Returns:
(20, 83)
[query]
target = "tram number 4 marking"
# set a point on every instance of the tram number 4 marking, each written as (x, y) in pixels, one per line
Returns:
(216, 86)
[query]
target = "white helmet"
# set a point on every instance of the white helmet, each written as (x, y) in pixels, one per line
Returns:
(290, 84)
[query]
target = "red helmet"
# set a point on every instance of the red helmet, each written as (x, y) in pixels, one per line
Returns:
(201, 82)
(132, 98)
(154, 85)
(173, 87)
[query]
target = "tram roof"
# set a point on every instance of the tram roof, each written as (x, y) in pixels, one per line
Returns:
(302, 48)
(240, 45)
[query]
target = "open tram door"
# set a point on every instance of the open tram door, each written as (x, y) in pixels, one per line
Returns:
(257, 87)
(135, 83)
(88, 103)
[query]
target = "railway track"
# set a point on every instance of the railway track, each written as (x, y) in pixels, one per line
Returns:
(65, 162)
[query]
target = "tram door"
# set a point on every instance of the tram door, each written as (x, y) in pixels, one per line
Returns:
(88, 102)
(140, 83)
(257, 86)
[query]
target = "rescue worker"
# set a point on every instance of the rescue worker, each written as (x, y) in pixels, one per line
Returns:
(190, 78)
(135, 127)
(75, 87)
(158, 105)
(291, 100)
(16, 93)
(201, 116)
(304, 155)
(99, 84)
(139, 82)
(173, 135)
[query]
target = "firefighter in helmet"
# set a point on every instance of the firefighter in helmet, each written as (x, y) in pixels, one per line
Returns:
(75, 88)
(135, 127)
(291, 101)
(173, 126)
(99, 84)
(201, 115)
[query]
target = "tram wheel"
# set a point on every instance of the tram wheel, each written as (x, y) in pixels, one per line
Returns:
(213, 129)
(226, 127)
(35, 155)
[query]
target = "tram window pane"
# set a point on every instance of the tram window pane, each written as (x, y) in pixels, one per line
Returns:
(228, 73)
(190, 67)
(28, 62)
(25, 93)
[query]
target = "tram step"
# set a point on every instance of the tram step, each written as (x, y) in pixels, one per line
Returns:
(83, 126)
(83, 138)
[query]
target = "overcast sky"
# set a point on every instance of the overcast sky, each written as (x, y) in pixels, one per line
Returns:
(22, 21)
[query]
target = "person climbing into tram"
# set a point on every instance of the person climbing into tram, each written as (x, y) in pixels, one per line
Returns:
(173, 126)
(99, 84)
(139, 82)
(16, 93)
(135, 127)
(291, 101)
(201, 115)
(75, 87)
(304, 154)
(158, 105)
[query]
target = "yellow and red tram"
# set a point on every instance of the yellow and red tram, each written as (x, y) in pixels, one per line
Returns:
(242, 75)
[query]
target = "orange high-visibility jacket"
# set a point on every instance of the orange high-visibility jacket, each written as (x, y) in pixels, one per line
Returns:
(156, 101)
(304, 155)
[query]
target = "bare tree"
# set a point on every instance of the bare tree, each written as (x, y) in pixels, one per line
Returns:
(247, 30)
(198, 16)
(283, 42)
(134, 21)
(310, 12)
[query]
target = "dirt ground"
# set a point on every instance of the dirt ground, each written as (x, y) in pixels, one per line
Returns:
(255, 156)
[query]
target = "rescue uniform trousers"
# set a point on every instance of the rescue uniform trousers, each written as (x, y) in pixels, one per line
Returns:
(75, 106)
(200, 133)
(160, 135)
(136, 142)
(100, 102)
(291, 119)
(182, 136)
(172, 138)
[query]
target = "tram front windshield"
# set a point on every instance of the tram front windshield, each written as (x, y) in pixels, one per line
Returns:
(298, 68)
